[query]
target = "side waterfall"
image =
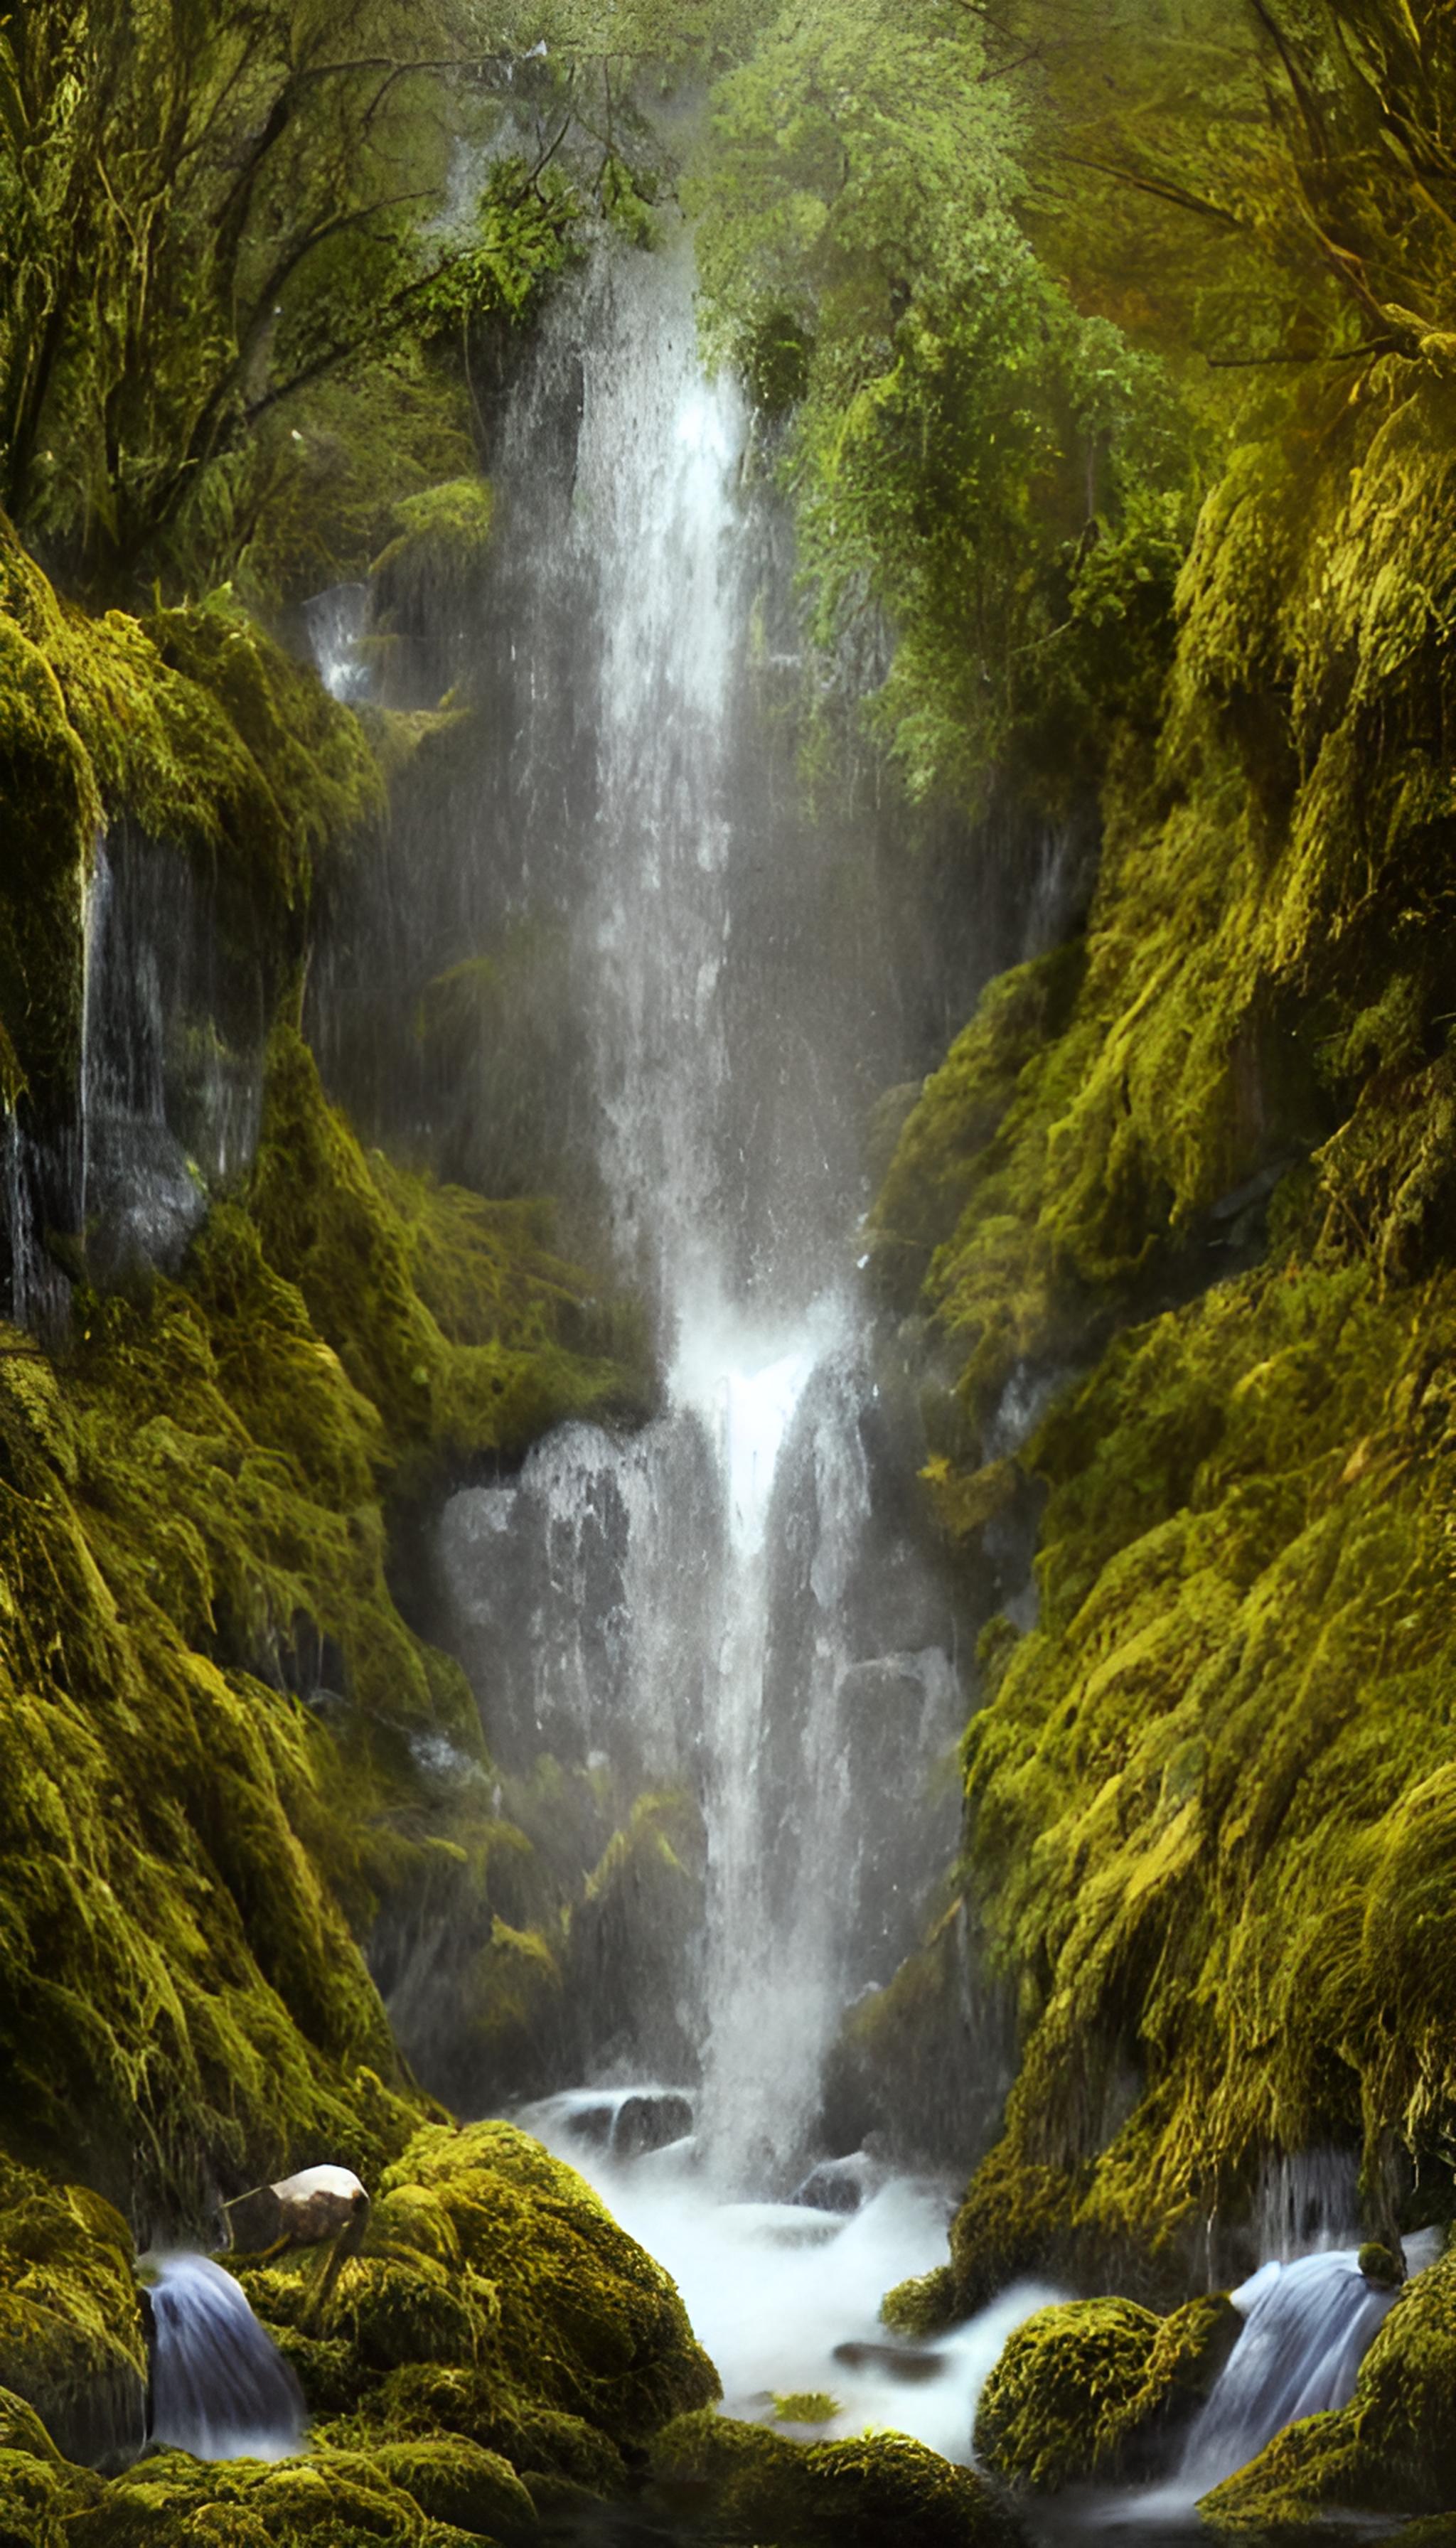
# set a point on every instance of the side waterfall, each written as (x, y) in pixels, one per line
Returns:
(219, 2388)
(1307, 2327)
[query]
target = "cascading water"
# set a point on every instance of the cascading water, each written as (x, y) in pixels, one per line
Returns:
(1308, 2327)
(218, 2388)
(719, 1604)
(700, 1605)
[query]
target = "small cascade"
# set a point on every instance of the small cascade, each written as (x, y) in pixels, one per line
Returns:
(1308, 2327)
(171, 1081)
(1308, 2202)
(337, 623)
(220, 2387)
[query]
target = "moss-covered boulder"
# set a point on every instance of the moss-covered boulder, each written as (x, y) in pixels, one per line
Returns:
(741, 2483)
(499, 2337)
(1099, 2389)
(922, 2306)
(332, 2499)
(72, 2351)
(1062, 2379)
(453, 2480)
(1392, 2449)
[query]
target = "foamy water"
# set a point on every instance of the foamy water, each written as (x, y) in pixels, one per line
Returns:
(775, 2290)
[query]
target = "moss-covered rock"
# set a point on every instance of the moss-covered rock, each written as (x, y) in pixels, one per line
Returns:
(1099, 2390)
(743, 2483)
(925, 2306)
(71, 2342)
(498, 2346)
(1063, 2377)
(497, 2320)
(453, 2480)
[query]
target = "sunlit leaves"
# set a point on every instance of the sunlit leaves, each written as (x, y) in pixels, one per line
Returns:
(968, 448)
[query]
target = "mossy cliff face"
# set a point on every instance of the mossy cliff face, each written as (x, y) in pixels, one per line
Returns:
(1211, 1792)
(220, 1746)
(193, 727)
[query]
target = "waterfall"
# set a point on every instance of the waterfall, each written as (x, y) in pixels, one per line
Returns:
(717, 1605)
(1308, 2327)
(1308, 2201)
(219, 2388)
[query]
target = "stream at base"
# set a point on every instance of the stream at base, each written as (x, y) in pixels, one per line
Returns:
(786, 2297)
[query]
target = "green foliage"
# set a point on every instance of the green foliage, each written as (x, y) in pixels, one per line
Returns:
(998, 481)
(519, 243)
(236, 257)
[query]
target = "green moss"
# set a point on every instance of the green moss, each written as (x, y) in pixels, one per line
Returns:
(1099, 2390)
(1062, 2378)
(71, 2322)
(425, 2398)
(746, 2484)
(194, 728)
(1209, 1789)
(806, 2406)
(38, 2499)
(443, 1308)
(441, 537)
(191, 1528)
(457, 2480)
(923, 2307)
(499, 2326)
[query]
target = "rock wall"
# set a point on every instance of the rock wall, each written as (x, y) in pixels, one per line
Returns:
(1182, 1195)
